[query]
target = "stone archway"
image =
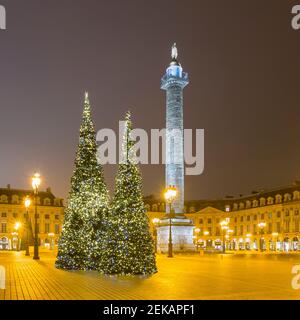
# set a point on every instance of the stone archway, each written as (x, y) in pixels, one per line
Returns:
(286, 244)
(4, 243)
(295, 244)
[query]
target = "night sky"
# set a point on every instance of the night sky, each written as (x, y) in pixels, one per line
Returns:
(243, 59)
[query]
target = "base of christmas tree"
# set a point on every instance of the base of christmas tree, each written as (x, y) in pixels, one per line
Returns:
(182, 234)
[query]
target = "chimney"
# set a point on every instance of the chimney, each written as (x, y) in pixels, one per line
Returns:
(8, 186)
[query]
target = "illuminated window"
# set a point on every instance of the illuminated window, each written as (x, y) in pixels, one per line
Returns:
(3, 227)
(47, 227)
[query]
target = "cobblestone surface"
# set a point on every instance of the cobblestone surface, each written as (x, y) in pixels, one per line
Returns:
(183, 277)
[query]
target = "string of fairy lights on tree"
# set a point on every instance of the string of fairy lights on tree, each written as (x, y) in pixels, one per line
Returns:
(111, 238)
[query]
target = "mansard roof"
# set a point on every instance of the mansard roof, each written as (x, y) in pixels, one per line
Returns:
(22, 193)
(230, 200)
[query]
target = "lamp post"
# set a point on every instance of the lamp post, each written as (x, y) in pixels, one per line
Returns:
(261, 226)
(27, 203)
(224, 227)
(16, 233)
(36, 181)
(155, 221)
(170, 195)
(228, 233)
(197, 231)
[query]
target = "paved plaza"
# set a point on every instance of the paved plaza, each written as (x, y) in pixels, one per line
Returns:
(183, 277)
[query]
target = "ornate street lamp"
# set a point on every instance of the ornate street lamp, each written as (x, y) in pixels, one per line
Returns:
(27, 203)
(224, 227)
(36, 181)
(261, 226)
(197, 231)
(170, 195)
(16, 233)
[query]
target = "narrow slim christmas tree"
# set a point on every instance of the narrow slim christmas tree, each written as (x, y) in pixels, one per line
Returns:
(129, 246)
(80, 242)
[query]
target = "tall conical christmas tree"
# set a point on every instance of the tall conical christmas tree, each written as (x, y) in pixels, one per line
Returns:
(129, 246)
(87, 207)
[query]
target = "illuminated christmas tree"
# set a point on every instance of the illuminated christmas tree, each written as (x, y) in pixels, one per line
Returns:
(80, 242)
(129, 244)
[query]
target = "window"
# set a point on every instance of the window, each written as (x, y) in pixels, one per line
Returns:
(218, 231)
(15, 215)
(4, 199)
(254, 229)
(47, 216)
(235, 230)
(47, 227)
(15, 199)
(241, 230)
(278, 198)
(297, 225)
(270, 227)
(262, 216)
(47, 202)
(201, 221)
(235, 219)
(248, 218)
(38, 228)
(248, 228)
(209, 220)
(3, 215)
(255, 217)
(287, 213)
(296, 212)
(262, 201)
(270, 200)
(278, 227)
(270, 215)
(287, 197)
(57, 229)
(57, 217)
(242, 218)
(3, 228)
(296, 195)
(287, 226)
(278, 214)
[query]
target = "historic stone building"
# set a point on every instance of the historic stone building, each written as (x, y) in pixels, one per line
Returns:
(265, 220)
(13, 218)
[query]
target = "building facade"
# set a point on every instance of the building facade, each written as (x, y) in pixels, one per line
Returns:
(265, 220)
(13, 222)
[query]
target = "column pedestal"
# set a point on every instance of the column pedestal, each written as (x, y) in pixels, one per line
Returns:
(182, 234)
